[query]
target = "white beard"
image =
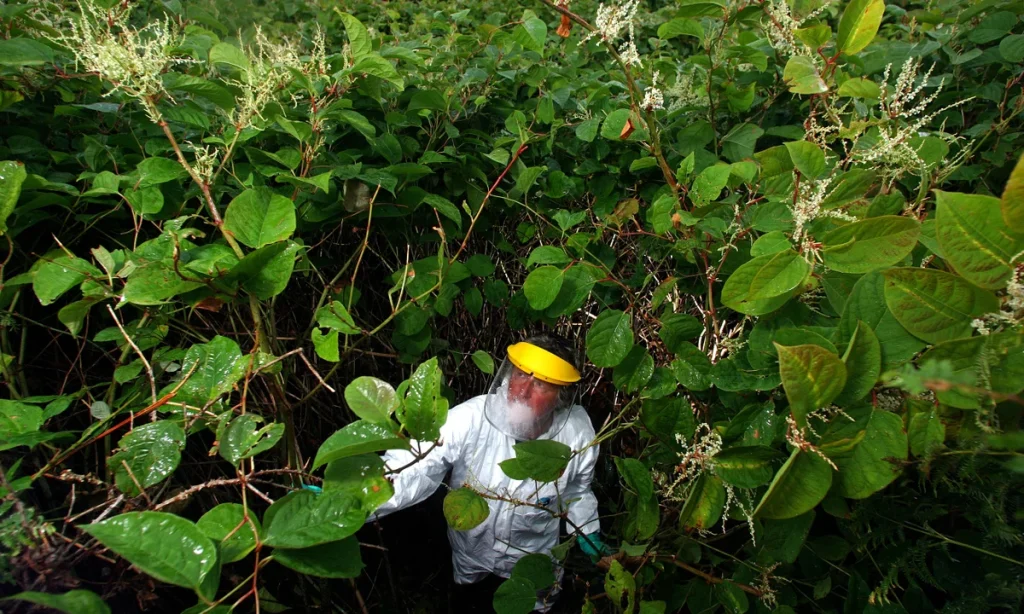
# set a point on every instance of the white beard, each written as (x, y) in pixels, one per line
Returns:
(520, 420)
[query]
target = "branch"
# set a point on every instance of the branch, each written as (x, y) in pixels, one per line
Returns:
(142, 357)
(487, 196)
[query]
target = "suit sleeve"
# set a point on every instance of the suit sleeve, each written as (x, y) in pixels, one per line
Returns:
(418, 480)
(580, 496)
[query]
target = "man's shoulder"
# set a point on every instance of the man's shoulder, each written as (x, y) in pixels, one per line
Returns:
(580, 426)
(468, 413)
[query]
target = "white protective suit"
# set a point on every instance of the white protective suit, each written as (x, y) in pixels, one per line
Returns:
(472, 448)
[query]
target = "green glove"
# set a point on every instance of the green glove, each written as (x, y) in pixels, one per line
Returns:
(592, 546)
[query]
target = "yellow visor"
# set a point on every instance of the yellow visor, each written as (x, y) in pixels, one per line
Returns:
(542, 364)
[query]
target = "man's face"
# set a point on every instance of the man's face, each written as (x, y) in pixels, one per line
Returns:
(541, 397)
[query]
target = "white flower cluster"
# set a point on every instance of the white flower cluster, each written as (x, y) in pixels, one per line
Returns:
(130, 59)
(688, 91)
(808, 205)
(270, 66)
(893, 154)
(653, 98)
(696, 458)
(610, 22)
(1012, 313)
(1015, 289)
(205, 160)
(797, 438)
(780, 26)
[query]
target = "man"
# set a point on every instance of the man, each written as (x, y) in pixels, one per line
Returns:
(530, 398)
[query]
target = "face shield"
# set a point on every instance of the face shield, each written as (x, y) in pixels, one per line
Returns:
(531, 394)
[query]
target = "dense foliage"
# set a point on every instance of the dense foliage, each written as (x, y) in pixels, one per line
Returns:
(249, 247)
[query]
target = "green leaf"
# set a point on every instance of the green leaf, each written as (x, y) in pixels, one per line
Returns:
(165, 546)
(445, 207)
(586, 131)
(326, 345)
(337, 559)
(357, 120)
(801, 76)
(783, 540)
(814, 37)
(863, 359)
(619, 583)
(358, 36)
(18, 418)
(149, 453)
(536, 568)
(681, 27)
(870, 244)
(243, 438)
(876, 461)
(374, 64)
(514, 596)
(808, 158)
(336, 317)
(770, 243)
(543, 460)
(860, 88)
(1013, 198)
(709, 184)
(226, 53)
(812, 377)
(610, 338)
(260, 216)
(197, 86)
(303, 519)
(997, 360)
(218, 366)
(933, 305)
(483, 361)
(704, 505)
(425, 409)
(359, 437)
(464, 509)
(225, 524)
(692, 368)
(532, 33)
(155, 171)
(635, 370)
(666, 417)
(267, 272)
(361, 476)
(797, 488)
(542, 286)
(71, 602)
(371, 399)
(859, 25)
(1012, 48)
(20, 51)
(55, 276)
(745, 466)
(738, 144)
(974, 238)
(12, 176)
(636, 475)
(613, 126)
(677, 328)
(867, 303)
(548, 254)
(156, 282)
(926, 433)
(765, 283)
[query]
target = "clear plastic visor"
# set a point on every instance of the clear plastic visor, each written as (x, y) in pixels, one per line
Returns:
(525, 407)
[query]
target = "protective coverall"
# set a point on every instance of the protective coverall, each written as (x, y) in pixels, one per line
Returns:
(472, 448)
